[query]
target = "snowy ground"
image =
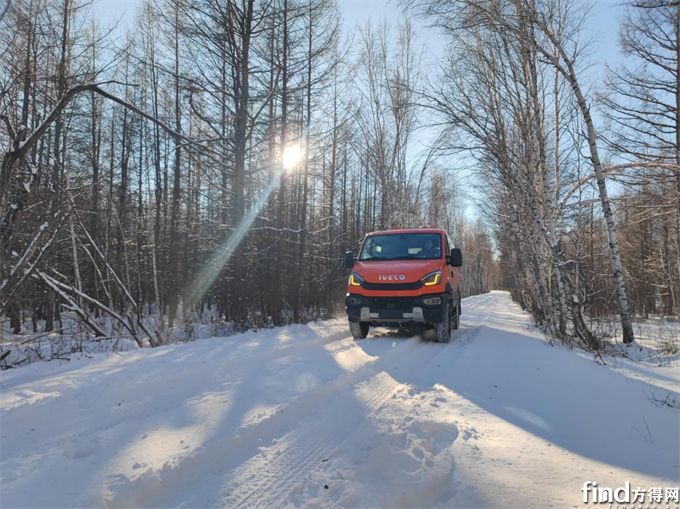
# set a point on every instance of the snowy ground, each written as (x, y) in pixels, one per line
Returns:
(303, 416)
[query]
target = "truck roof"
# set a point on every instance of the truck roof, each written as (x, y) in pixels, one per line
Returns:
(407, 230)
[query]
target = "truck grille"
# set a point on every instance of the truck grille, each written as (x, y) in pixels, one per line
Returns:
(391, 286)
(396, 304)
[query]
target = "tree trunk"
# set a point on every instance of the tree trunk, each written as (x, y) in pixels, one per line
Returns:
(174, 255)
(617, 272)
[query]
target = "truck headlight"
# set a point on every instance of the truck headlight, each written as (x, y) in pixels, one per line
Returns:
(355, 279)
(433, 278)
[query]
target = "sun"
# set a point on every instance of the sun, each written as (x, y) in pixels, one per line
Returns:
(291, 157)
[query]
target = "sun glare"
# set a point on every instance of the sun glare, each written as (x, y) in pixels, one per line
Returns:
(291, 157)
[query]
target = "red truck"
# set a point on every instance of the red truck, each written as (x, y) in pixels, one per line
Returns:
(404, 277)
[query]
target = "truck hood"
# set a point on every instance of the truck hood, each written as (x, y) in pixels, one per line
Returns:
(413, 270)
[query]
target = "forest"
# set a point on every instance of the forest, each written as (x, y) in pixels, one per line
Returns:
(212, 162)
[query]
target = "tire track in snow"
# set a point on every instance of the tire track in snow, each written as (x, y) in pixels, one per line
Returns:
(266, 481)
(293, 431)
(218, 454)
(273, 480)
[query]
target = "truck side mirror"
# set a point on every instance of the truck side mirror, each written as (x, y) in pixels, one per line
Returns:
(349, 259)
(456, 257)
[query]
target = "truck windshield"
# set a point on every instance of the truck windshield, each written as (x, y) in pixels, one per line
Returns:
(406, 246)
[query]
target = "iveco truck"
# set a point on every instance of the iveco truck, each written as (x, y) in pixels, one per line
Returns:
(404, 277)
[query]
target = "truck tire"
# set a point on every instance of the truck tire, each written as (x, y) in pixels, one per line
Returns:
(455, 319)
(442, 330)
(359, 330)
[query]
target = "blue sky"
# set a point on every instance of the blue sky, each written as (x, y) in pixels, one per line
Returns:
(602, 24)
(601, 30)
(601, 27)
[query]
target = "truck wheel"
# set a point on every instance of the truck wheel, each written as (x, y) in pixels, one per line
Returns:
(455, 318)
(359, 330)
(442, 330)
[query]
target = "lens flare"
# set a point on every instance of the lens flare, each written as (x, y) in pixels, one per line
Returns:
(290, 159)
(224, 252)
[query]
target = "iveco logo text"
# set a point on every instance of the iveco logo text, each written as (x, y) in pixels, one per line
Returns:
(391, 277)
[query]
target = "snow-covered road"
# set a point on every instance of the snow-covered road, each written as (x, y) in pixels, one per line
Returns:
(303, 416)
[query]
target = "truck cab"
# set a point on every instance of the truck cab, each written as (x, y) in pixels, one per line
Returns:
(404, 277)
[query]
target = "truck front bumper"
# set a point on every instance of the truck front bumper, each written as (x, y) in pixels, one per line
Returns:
(396, 310)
